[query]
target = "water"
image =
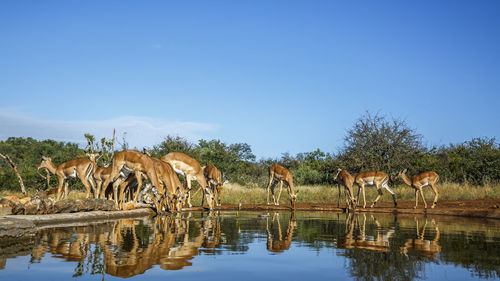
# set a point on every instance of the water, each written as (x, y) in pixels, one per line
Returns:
(257, 246)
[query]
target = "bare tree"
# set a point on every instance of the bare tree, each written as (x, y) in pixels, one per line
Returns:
(6, 157)
(375, 143)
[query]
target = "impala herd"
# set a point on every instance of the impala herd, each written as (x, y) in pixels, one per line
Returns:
(124, 180)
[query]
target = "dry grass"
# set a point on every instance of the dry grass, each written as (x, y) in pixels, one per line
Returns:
(75, 194)
(234, 193)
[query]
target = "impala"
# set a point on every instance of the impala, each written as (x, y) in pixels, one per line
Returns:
(377, 178)
(132, 161)
(419, 181)
(214, 179)
(83, 168)
(281, 174)
(171, 186)
(125, 180)
(191, 170)
(345, 179)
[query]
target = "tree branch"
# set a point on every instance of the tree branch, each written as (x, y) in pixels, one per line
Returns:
(15, 171)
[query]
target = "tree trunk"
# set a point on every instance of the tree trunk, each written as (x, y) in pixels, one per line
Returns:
(15, 171)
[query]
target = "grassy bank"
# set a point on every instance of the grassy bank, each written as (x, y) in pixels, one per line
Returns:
(233, 193)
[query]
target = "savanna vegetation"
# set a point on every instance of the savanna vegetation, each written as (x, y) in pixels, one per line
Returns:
(375, 142)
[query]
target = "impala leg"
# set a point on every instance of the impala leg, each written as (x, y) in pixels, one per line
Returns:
(338, 200)
(364, 196)
(269, 187)
(59, 188)
(139, 185)
(423, 198)
(349, 198)
(416, 198)
(92, 184)
(115, 193)
(357, 196)
(98, 186)
(436, 195)
(87, 186)
(386, 186)
(66, 189)
(123, 190)
(188, 181)
(277, 203)
(379, 191)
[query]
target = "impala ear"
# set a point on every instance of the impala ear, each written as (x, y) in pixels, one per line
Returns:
(405, 170)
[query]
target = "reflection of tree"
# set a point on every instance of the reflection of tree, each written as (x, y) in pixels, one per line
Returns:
(278, 242)
(12, 247)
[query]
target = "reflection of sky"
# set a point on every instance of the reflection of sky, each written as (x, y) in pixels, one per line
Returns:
(298, 263)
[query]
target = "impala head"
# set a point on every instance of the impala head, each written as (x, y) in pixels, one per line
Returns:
(337, 174)
(93, 156)
(174, 203)
(400, 174)
(46, 161)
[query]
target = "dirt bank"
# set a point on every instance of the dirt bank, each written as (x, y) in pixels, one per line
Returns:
(19, 225)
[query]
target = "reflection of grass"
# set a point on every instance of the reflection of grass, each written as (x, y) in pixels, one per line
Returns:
(233, 193)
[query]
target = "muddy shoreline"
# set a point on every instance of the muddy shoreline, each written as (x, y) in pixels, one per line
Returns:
(21, 225)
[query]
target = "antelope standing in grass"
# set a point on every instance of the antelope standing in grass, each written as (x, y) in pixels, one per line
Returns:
(214, 179)
(281, 174)
(421, 180)
(377, 178)
(191, 170)
(81, 168)
(345, 179)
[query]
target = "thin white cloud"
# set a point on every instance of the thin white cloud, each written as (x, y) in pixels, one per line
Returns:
(157, 46)
(140, 131)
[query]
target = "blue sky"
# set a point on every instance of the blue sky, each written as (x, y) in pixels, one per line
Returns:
(282, 76)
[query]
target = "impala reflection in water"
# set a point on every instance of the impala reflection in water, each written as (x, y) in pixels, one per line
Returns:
(251, 246)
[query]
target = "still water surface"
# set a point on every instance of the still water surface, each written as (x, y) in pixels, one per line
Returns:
(257, 246)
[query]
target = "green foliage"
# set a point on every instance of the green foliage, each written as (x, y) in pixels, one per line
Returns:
(476, 162)
(374, 143)
(26, 153)
(104, 148)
